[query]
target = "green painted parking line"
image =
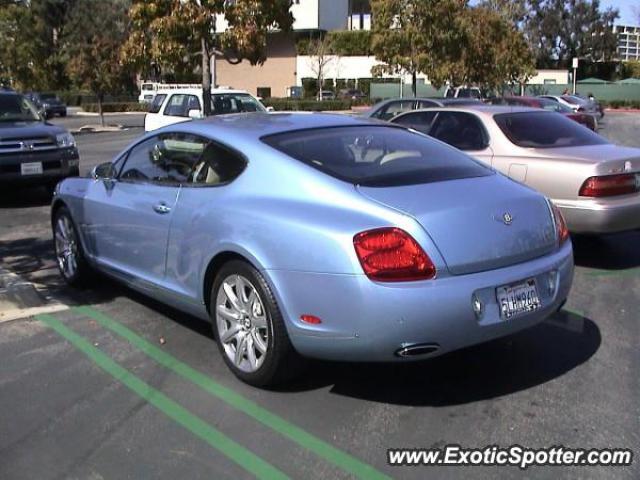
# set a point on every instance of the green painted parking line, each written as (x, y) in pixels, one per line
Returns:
(237, 401)
(236, 452)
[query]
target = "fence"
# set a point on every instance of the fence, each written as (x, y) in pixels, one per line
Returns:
(606, 92)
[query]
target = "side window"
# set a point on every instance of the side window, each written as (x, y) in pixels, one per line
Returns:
(217, 166)
(165, 159)
(427, 104)
(420, 121)
(180, 104)
(157, 103)
(395, 108)
(461, 130)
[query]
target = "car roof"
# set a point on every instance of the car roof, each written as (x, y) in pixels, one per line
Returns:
(484, 109)
(198, 91)
(253, 126)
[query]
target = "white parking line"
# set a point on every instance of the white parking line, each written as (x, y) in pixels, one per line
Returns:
(20, 298)
(18, 313)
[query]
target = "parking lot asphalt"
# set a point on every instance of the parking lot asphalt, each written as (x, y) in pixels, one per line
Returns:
(120, 386)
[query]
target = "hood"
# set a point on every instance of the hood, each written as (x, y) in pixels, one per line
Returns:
(20, 130)
(477, 224)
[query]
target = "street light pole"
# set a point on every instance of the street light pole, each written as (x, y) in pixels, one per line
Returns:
(575, 72)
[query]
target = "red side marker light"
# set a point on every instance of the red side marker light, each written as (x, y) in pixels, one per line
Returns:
(311, 319)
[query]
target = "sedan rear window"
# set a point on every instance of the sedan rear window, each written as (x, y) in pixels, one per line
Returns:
(545, 130)
(377, 156)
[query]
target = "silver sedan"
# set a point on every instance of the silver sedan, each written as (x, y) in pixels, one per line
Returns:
(596, 184)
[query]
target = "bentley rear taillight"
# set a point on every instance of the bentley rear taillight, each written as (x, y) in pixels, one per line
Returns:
(610, 185)
(392, 255)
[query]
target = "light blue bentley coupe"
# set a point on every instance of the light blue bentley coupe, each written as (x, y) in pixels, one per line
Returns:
(315, 235)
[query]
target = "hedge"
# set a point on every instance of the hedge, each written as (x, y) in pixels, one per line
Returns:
(116, 107)
(287, 104)
(635, 104)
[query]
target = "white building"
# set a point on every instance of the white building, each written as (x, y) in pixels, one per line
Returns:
(628, 42)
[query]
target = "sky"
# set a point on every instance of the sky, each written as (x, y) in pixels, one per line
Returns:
(626, 7)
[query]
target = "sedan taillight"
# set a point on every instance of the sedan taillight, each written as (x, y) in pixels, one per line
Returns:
(561, 225)
(392, 255)
(609, 185)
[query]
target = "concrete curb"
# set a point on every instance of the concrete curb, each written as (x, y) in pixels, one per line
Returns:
(106, 114)
(622, 110)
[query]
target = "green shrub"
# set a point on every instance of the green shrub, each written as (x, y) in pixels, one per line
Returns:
(108, 107)
(290, 104)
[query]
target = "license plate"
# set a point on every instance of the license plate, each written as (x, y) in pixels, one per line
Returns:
(518, 299)
(31, 168)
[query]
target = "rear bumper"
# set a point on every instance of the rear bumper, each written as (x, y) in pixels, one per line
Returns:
(56, 165)
(612, 215)
(56, 110)
(368, 321)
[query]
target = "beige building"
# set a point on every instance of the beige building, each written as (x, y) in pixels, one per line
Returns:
(271, 79)
(278, 73)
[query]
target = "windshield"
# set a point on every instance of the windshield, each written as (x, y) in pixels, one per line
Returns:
(16, 108)
(554, 106)
(545, 130)
(377, 156)
(222, 103)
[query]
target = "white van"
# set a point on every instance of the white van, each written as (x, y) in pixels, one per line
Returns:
(148, 90)
(463, 92)
(184, 104)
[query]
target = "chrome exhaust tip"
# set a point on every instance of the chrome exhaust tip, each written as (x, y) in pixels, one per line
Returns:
(418, 350)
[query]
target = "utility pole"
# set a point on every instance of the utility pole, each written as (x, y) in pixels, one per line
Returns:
(575, 72)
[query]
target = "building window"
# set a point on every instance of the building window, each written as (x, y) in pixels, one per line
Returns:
(264, 92)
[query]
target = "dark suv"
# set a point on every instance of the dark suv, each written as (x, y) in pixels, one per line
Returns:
(48, 104)
(33, 151)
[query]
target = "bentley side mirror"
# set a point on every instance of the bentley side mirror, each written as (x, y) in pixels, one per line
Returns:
(104, 171)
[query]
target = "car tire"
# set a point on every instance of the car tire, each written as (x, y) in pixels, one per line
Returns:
(259, 325)
(63, 114)
(69, 253)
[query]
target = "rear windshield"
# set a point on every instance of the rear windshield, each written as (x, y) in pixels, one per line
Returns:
(157, 102)
(545, 130)
(222, 103)
(377, 156)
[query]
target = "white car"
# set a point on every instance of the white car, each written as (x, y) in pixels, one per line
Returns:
(562, 101)
(181, 105)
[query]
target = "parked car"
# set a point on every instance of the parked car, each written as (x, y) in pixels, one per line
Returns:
(351, 94)
(585, 119)
(463, 92)
(326, 95)
(184, 104)
(48, 104)
(595, 184)
(585, 105)
(317, 235)
(33, 151)
(387, 109)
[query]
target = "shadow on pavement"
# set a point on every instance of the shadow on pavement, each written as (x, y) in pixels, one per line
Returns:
(607, 252)
(33, 196)
(33, 259)
(501, 367)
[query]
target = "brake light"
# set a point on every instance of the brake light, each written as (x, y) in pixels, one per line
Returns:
(609, 185)
(561, 225)
(392, 255)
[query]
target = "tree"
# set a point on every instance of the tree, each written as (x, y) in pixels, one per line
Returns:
(417, 36)
(559, 30)
(494, 52)
(319, 50)
(176, 31)
(97, 29)
(31, 47)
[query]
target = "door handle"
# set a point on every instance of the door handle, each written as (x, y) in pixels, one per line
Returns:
(162, 208)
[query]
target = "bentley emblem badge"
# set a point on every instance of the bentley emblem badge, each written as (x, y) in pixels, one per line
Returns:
(507, 218)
